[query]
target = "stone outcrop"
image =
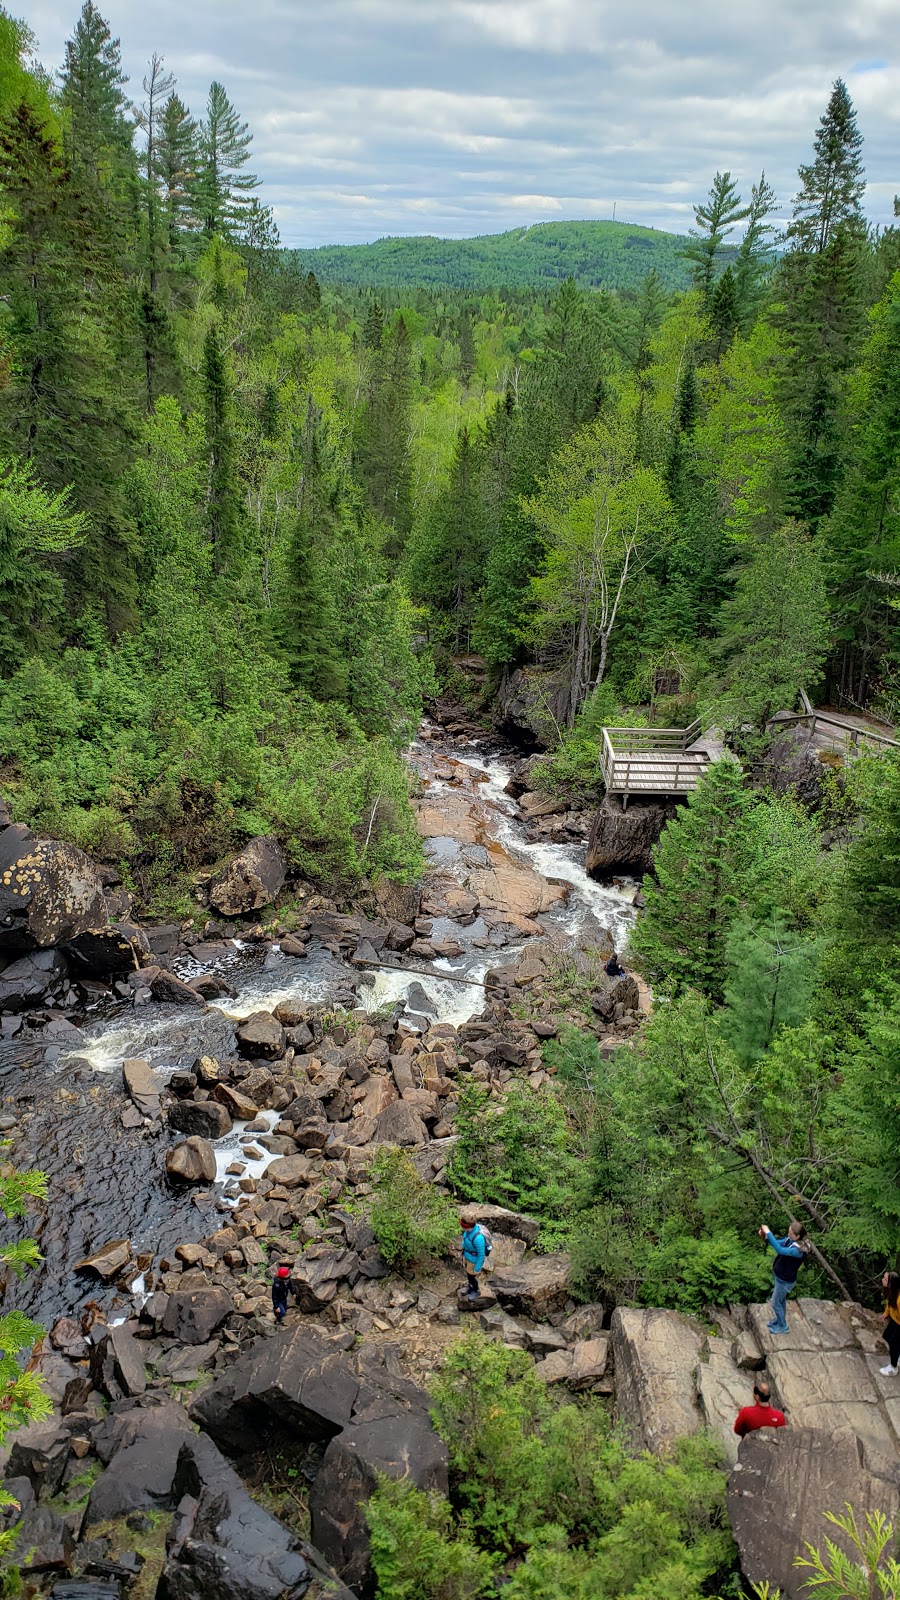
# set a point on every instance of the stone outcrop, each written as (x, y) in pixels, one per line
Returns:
(674, 1377)
(622, 841)
(26, 982)
(251, 880)
(784, 1482)
(656, 1354)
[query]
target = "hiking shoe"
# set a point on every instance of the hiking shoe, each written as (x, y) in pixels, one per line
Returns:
(888, 1372)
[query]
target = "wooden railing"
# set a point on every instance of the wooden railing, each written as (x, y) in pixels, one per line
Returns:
(833, 723)
(651, 761)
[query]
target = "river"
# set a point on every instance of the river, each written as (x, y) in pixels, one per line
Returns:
(107, 1181)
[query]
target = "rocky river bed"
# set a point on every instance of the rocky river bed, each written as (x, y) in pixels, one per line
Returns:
(488, 892)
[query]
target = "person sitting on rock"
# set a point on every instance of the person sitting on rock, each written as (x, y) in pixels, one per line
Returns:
(890, 1283)
(474, 1249)
(613, 968)
(280, 1285)
(790, 1254)
(762, 1413)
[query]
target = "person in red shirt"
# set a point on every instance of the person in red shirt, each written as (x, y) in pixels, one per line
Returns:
(760, 1415)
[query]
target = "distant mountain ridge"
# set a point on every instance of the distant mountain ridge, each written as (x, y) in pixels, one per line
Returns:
(609, 255)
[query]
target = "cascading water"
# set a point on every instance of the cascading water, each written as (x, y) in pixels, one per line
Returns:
(108, 1182)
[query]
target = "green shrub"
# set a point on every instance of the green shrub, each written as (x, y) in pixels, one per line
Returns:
(411, 1221)
(516, 1154)
(415, 1552)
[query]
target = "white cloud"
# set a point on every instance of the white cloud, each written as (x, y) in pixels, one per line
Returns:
(464, 116)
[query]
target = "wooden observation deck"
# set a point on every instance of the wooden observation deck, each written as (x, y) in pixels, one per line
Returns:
(655, 761)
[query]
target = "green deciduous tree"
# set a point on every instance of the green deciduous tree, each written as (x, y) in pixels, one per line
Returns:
(23, 1398)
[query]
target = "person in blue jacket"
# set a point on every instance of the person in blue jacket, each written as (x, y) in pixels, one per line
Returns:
(474, 1249)
(790, 1254)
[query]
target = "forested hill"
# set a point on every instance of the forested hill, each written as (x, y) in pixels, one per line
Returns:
(610, 255)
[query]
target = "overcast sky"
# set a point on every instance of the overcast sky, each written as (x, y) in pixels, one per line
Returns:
(460, 117)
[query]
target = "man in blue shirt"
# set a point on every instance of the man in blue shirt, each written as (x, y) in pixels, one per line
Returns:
(474, 1249)
(790, 1254)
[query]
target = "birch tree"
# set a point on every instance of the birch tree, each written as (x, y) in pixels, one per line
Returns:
(601, 514)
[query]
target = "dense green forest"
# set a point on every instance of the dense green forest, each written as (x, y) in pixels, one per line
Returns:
(598, 255)
(249, 515)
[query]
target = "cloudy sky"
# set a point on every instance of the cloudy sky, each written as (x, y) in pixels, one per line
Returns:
(459, 117)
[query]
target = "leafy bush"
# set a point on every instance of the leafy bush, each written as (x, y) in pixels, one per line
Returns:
(548, 1488)
(416, 1554)
(411, 1221)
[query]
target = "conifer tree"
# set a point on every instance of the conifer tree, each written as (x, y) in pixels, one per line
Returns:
(222, 510)
(310, 294)
(306, 622)
(863, 533)
(98, 135)
(222, 187)
(373, 329)
(382, 451)
(716, 218)
(466, 349)
(821, 286)
(694, 895)
(755, 256)
(158, 86)
(833, 184)
(178, 162)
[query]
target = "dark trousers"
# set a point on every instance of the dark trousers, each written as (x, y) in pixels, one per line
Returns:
(892, 1340)
(473, 1283)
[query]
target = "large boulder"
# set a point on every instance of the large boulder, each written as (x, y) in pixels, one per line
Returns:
(402, 1446)
(304, 1385)
(251, 880)
(192, 1161)
(298, 1379)
(535, 1287)
(117, 1364)
(656, 1357)
(318, 1273)
(399, 1123)
(622, 841)
(201, 1119)
(25, 982)
(261, 1035)
(49, 892)
(120, 947)
(223, 1545)
(194, 1315)
(784, 1482)
(140, 1449)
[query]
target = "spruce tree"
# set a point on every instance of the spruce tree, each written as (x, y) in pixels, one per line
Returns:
(382, 448)
(834, 182)
(222, 187)
(821, 284)
(98, 134)
(306, 621)
(694, 895)
(373, 329)
(310, 294)
(466, 349)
